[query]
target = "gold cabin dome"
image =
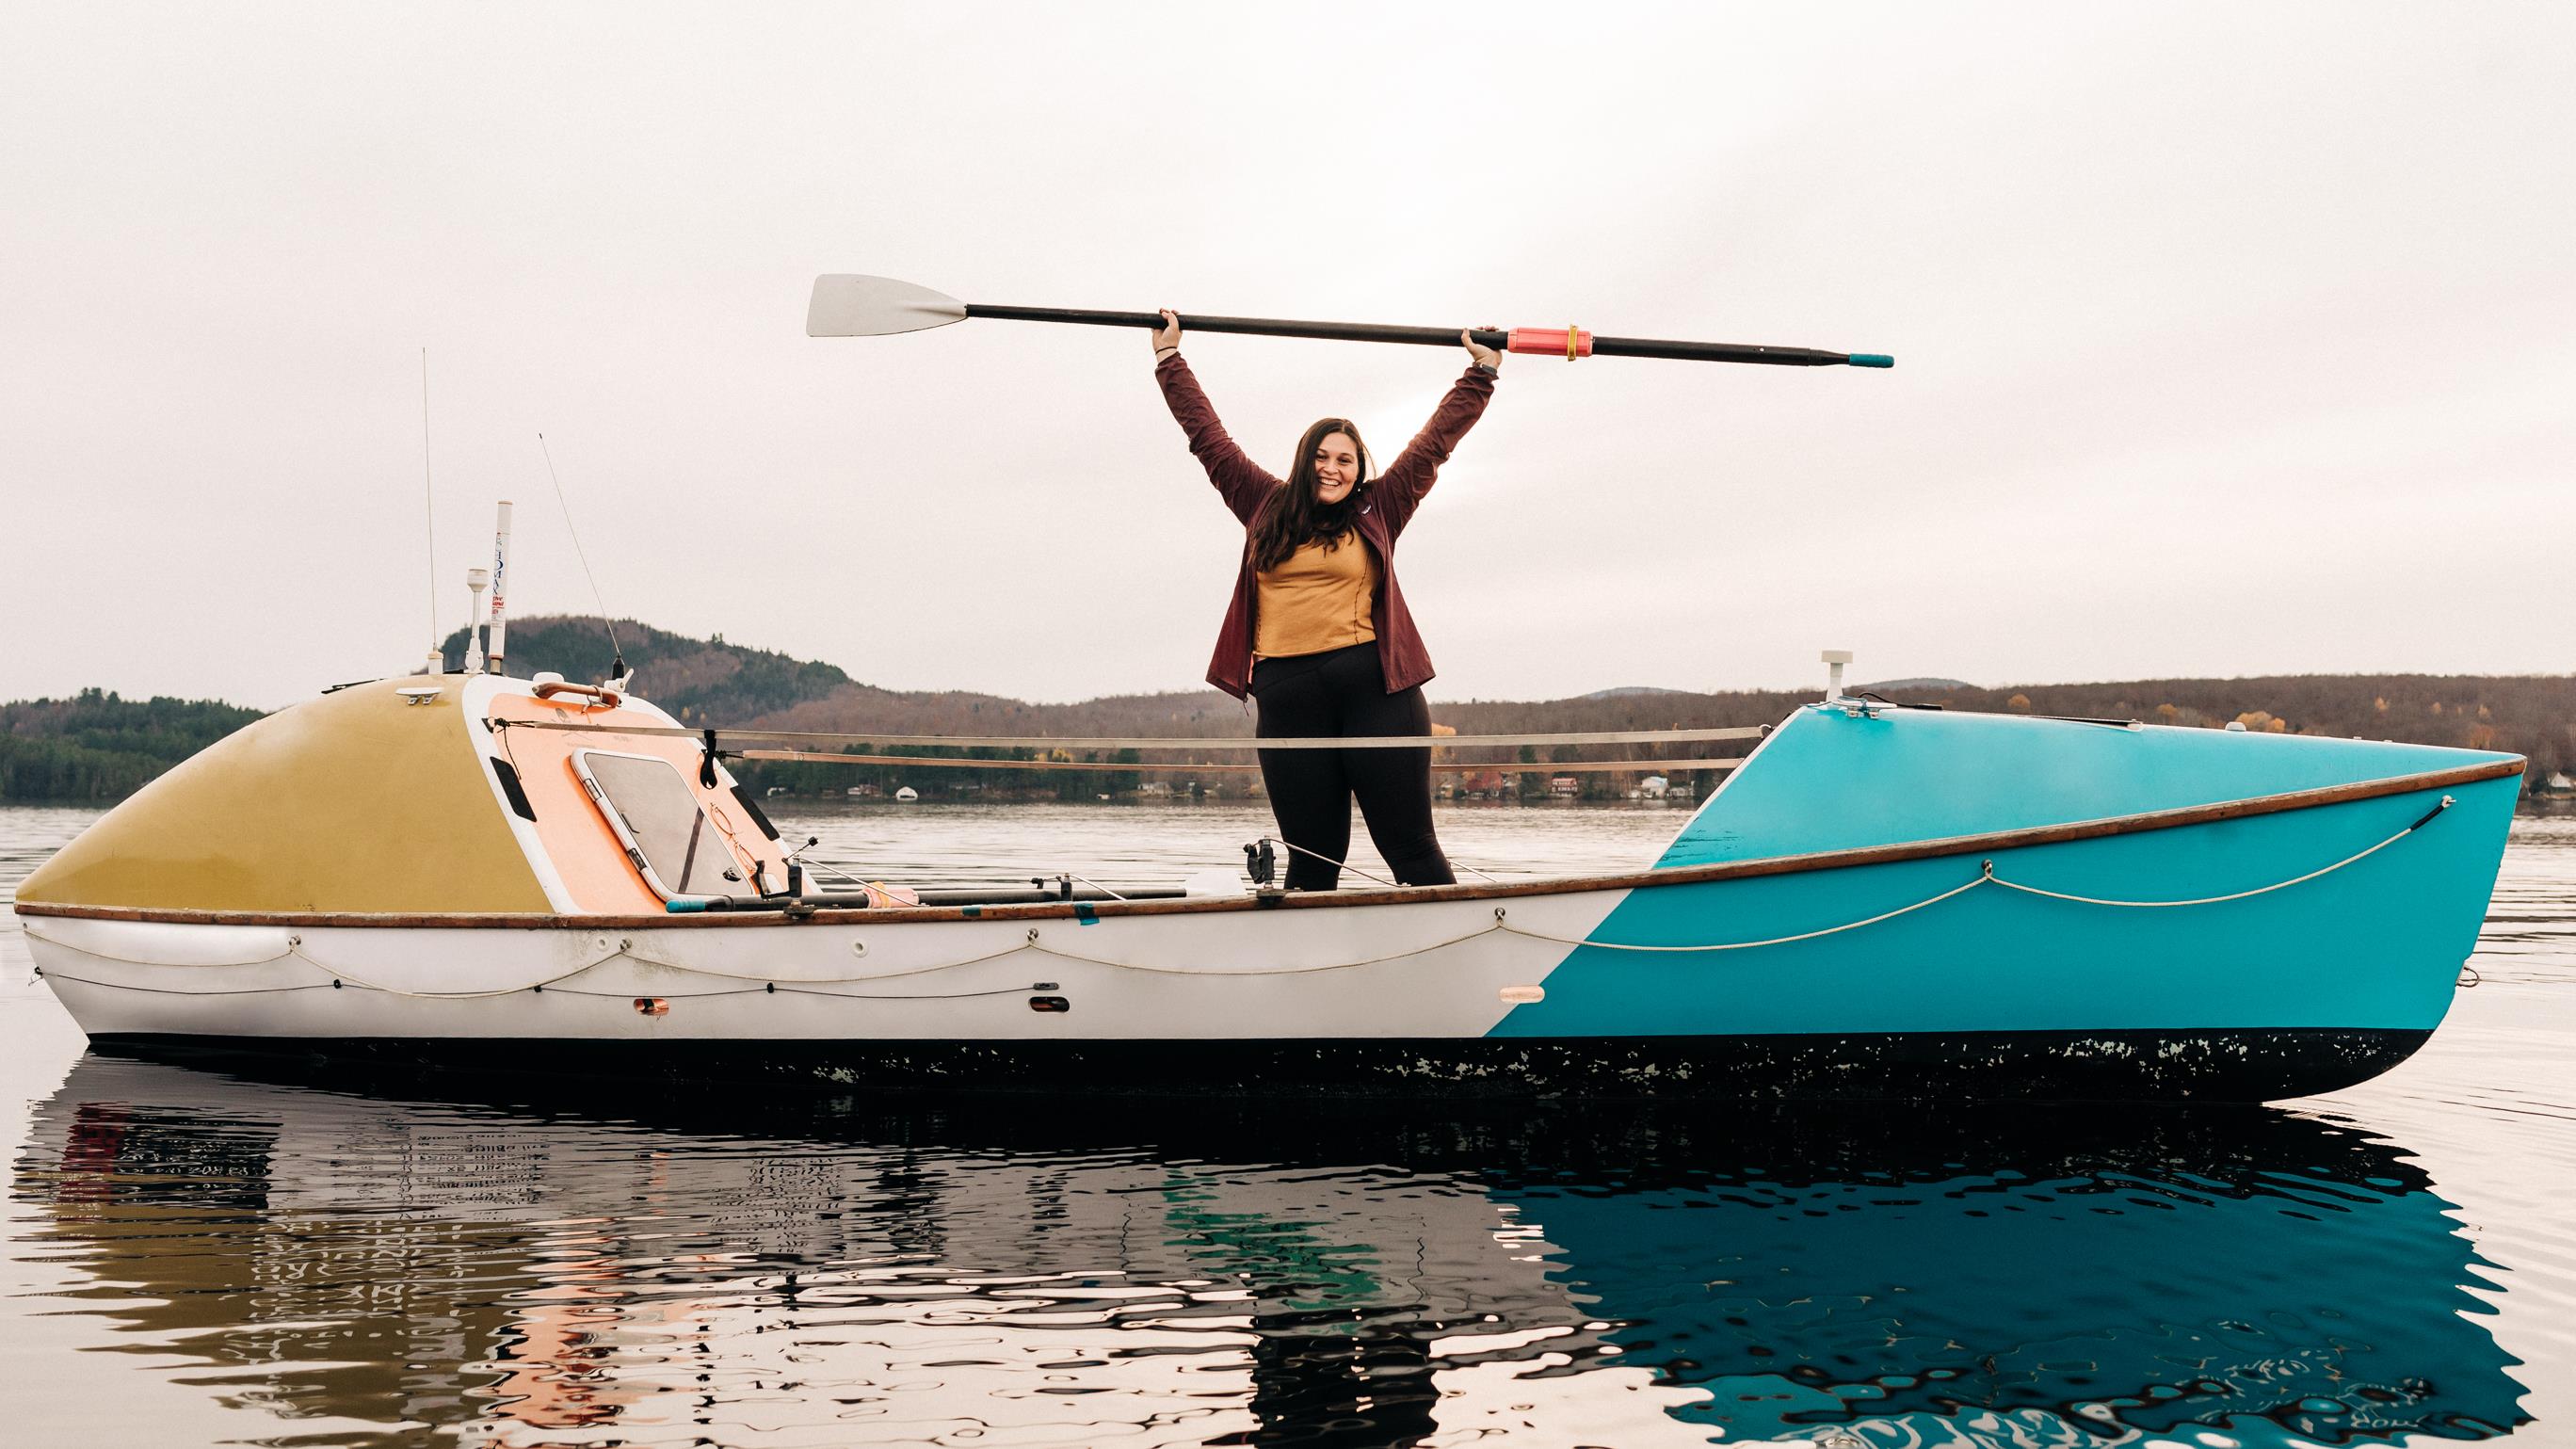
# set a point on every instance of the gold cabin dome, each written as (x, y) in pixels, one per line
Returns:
(361, 800)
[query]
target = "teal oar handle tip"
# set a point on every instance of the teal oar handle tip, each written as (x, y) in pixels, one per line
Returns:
(1871, 359)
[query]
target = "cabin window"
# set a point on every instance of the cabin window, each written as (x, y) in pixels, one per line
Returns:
(657, 819)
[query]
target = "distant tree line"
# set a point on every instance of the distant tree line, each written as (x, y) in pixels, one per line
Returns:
(950, 781)
(2529, 715)
(101, 747)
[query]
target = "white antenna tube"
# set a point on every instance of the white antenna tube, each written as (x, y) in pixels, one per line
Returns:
(475, 579)
(429, 524)
(500, 572)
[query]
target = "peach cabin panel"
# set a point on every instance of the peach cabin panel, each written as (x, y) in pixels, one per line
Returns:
(586, 852)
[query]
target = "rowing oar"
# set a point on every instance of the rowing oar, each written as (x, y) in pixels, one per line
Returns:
(853, 306)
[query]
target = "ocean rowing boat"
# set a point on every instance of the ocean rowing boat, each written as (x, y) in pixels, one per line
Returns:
(1879, 901)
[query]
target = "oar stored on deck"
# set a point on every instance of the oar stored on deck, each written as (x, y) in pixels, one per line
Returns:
(1462, 767)
(848, 305)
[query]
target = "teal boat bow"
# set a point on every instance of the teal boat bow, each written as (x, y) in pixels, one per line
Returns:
(1912, 890)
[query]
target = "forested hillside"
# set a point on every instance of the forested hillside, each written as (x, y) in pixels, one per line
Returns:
(100, 747)
(2532, 715)
(695, 679)
(2527, 715)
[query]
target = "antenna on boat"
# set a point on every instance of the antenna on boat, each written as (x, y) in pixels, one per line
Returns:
(1835, 659)
(429, 524)
(475, 579)
(618, 678)
(500, 569)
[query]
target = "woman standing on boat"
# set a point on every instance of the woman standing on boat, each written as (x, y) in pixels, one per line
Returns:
(1318, 632)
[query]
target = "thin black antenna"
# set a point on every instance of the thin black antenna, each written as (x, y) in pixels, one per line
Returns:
(617, 668)
(429, 512)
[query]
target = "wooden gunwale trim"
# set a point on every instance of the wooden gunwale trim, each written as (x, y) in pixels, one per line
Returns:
(1981, 844)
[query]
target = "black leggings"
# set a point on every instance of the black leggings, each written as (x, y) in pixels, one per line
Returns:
(1343, 692)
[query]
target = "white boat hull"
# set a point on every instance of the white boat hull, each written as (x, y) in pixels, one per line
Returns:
(1429, 969)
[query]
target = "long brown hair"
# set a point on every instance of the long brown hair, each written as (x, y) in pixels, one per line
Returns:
(1292, 517)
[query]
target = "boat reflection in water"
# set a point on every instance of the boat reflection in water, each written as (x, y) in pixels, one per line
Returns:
(603, 1268)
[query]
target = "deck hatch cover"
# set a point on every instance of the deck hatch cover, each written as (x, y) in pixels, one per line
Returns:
(657, 819)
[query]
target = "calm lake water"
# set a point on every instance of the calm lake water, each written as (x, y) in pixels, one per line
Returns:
(196, 1257)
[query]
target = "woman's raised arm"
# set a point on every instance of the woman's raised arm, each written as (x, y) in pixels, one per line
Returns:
(1242, 483)
(1415, 469)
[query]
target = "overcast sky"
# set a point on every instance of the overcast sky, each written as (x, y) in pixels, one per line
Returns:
(2230, 339)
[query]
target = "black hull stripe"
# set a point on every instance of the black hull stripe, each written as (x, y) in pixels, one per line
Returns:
(2216, 1065)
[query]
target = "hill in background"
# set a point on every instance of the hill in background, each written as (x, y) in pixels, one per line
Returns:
(694, 679)
(2533, 715)
(98, 747)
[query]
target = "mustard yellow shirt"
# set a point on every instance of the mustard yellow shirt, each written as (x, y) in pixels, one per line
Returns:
(1318, 599)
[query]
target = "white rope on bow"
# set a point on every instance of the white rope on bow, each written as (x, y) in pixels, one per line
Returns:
(1957, 890)
(2232, 896)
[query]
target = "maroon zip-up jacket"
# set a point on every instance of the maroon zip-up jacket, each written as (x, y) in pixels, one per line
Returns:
(1385, 508)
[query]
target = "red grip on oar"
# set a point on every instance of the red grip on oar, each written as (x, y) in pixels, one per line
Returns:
(1566, 342)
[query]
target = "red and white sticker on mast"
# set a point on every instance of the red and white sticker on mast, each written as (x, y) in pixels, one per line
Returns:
(500, 577)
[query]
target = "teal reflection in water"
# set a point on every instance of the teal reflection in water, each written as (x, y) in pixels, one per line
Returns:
(2265, 1275)
(615, 1264)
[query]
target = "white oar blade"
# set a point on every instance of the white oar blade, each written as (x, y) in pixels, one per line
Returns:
(853, 306)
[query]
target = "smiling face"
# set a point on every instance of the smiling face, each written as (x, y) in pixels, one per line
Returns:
(1307, 507)
(1337, 467)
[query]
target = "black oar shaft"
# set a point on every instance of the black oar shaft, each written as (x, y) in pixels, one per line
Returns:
(1425, 336)
(1717, 352)
(1254, 326)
